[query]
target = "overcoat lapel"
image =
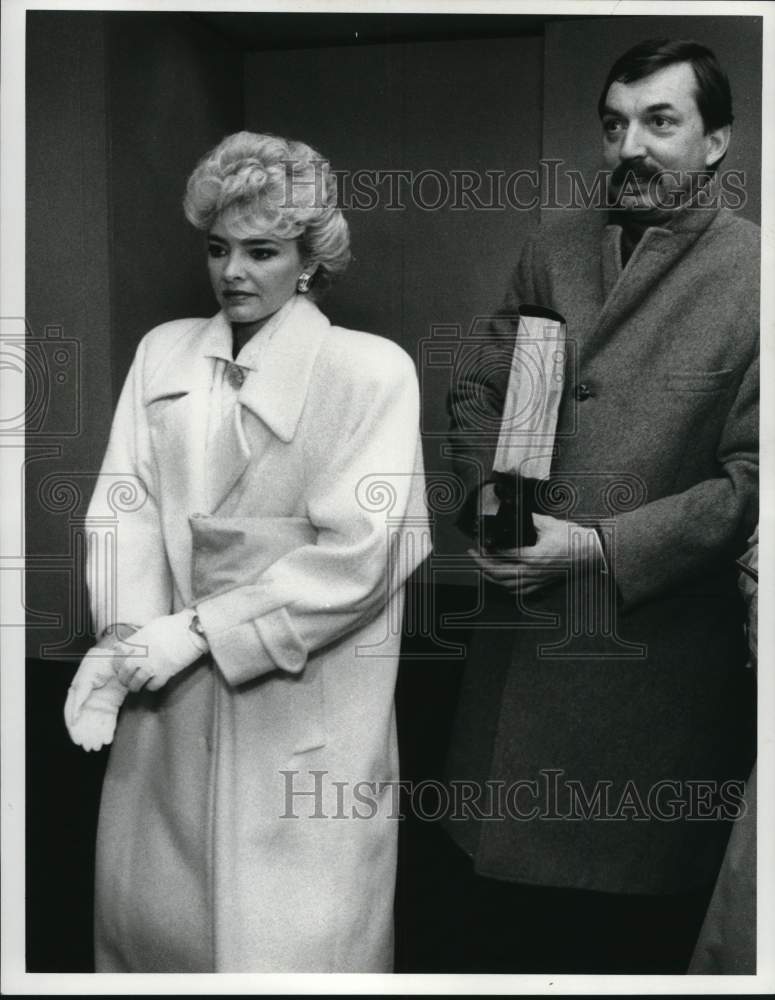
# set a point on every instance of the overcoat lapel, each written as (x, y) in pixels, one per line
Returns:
(177, 400)
(657, 252)
(279, 372)
(611, 259)
(228, 455)
(276, 390)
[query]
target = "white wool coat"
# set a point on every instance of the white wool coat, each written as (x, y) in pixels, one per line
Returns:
(210, 857)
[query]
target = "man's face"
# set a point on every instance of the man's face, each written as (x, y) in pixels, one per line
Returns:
(653, 130)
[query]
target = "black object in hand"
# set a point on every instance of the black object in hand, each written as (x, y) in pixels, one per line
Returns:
(512, 526)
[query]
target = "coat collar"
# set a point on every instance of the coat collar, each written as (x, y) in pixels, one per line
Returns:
(660, 247)
(277, 389)
(279, 363)
(670, 236)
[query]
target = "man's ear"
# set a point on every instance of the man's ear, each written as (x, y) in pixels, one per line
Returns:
(717, 143)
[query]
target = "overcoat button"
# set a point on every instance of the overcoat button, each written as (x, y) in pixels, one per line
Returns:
(582, 392)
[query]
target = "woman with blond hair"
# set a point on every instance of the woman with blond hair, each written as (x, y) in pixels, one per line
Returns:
(247, 624)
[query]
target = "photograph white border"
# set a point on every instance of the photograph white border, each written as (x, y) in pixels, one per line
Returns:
(15, 980)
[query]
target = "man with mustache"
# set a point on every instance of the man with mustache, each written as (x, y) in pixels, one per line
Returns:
(605, 725)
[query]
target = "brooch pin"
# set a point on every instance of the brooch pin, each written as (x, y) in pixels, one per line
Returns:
(235, 375)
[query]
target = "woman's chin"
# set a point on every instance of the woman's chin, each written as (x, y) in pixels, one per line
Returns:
(243, 312)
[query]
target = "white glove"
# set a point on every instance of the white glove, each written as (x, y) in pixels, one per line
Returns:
(94, 699)
(158, 651)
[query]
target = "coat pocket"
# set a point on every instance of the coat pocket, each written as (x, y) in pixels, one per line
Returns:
(287, 711)
(689, 381)
(307, 719)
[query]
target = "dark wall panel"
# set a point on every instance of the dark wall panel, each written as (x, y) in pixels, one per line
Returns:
(68, 304)
(68, 290)
(175, 90)
(347, 103)
(425, 254)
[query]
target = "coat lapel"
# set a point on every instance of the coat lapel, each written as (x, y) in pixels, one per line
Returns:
(278, 364)
(611, 259)
(177, 401)
(276, 390)
(278, 374)
(228, 455)
(657, 252)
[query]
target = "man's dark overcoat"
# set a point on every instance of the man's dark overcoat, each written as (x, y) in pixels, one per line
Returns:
(621, 702)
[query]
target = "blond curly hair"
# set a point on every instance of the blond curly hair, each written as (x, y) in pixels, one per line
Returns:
(267, 183)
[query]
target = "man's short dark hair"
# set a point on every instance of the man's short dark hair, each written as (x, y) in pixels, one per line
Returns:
(714, 96)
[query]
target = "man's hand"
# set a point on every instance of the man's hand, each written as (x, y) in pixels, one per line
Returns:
(559, 545)
(158, 651)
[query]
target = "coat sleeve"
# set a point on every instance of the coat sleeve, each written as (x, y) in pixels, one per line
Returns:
(128, 574)
(662, 544)
(366, 500)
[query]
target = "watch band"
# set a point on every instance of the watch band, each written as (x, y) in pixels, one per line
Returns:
(198, 636)
(119, 631)
(196, 626)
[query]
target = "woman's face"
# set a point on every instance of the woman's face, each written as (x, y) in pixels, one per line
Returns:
(252, 276)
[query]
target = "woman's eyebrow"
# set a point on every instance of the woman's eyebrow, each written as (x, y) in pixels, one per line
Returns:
(258, 241)
(249, 241)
